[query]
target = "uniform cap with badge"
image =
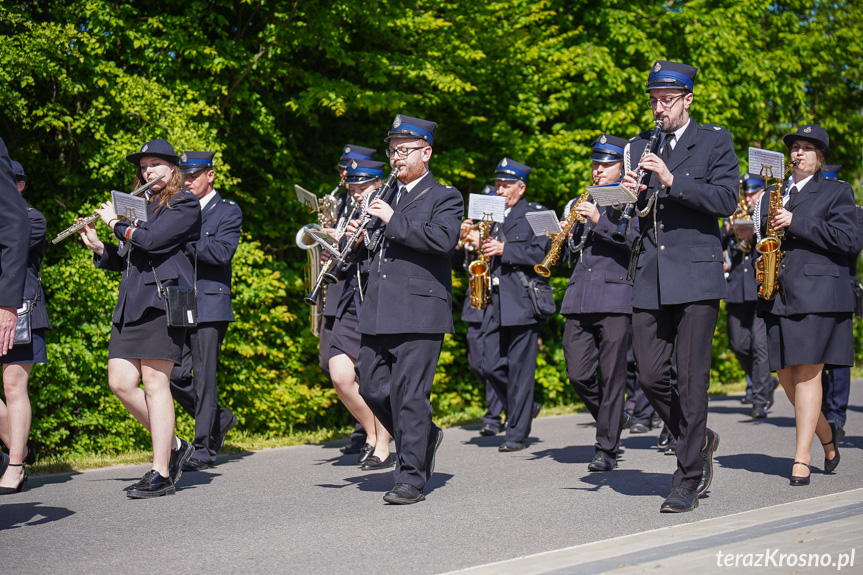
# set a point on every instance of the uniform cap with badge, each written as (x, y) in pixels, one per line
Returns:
(751, 183)
(353, 152)
(156, 149)
(811, 133)
(665, 74)
(511, 171)
(408, 127)
(831, 171)
(608, 149)
(194, 161)
(363, 171)
(18, 171)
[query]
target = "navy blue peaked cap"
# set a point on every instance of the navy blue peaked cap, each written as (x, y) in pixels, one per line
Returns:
(509, 169)
(751, 183)
(812, 133)
(191, 162)
(156, 148)
(352, 152)
(608, 148)
(18, 171)
(408, 127)
(831, 171)
(665, 74)
(362, 171)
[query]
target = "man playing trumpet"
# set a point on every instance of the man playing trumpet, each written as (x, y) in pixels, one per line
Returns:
(598, 307)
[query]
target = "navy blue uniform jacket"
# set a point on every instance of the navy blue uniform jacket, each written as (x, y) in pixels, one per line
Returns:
(410, 277)
(685, 263)
(742, 286)
(161, 240)
(221, 222)
(522, 250)
(14, 232)
(598, 282)
(32, 285)
(814, 275)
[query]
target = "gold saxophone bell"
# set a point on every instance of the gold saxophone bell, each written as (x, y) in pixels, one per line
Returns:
(544, 267)
(479, 284)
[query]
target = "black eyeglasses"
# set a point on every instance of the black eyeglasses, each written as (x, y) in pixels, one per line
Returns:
(402, 151)
(666, 102)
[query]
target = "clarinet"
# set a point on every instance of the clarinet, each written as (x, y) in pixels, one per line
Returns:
(354, 243)
(619, 235)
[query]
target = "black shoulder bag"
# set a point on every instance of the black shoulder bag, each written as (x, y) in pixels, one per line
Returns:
(181, 307)
(540, 293)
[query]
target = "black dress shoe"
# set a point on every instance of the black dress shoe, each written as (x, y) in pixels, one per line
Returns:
(404, 494)
(219, 440)
(365, 453)
(602, 462)
(435, 440)
(178, 459)
(671, 448)
(746, 399)
(679, 500)
(510, 446)
(831, 464)
(759, 412)
(151, 485)
(710, 445)
(838, 427)
(195, 464)
(374, 463)
(534, 412)
(490, 429)
(655, 421)
(799, 480)
(638, 428)
(664, 437)
(626, 420)
(352, 448)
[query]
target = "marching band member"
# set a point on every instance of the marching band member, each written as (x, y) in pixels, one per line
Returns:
(142, 346)
(510, 331)
(679, 281)
(809, 322)
(363, 177)
(193, 382)
(408, 304)
(16, 413)
(747, 333)
(598, 308)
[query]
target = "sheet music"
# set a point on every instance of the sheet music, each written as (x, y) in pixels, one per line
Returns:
(479, 206)
(766, 163)
(306, 197)
(543, 223)
(611, 194)
(130, 207)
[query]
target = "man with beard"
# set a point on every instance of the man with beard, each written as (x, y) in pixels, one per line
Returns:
(690, 183)
(408, 303)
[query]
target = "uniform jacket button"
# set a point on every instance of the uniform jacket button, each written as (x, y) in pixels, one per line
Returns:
(384, 276)
(661, 206)
(661, 226)
(661, 248)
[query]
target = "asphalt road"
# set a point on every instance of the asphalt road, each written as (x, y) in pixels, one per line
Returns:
(309, 509)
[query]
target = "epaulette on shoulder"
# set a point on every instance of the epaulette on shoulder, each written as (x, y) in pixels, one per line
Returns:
(536, 206)
(645, 135)
(711, 127)
(229, 202)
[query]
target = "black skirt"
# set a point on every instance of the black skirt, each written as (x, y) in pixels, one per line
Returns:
(147, 338)
(345, 338)
(34, 352)
(810, 339)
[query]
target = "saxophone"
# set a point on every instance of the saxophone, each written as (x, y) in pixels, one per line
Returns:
(767, 266)
(544, 268)
(479, 284)
(742, 215)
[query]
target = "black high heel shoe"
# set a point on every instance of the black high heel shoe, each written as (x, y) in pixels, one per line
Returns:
(800, 480)
(22, 485)
(831, 464)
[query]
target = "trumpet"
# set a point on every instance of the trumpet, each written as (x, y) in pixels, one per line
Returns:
(90, 219)
(619, 234)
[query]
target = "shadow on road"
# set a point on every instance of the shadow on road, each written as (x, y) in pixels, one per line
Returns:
(628, 482)
(17, 515)
(757, 463)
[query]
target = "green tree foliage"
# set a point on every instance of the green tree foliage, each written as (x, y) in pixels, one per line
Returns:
(277, 87)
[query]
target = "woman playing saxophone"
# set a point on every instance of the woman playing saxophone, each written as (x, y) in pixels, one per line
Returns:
(809, 322)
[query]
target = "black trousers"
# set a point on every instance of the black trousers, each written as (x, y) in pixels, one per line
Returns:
(494, 406)
(594, 340)
(193, 385)
(509, 365)
(835, 392)
(395, 374)
(685, 332)
(747, 338)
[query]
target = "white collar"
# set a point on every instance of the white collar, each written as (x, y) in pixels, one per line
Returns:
(206, 199)
(678, 133)
(407, 188)
(799, 184)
